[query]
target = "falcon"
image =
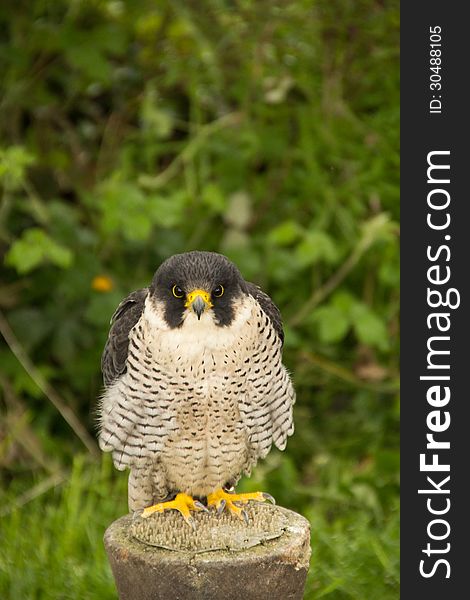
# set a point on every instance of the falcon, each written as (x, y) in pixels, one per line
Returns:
(195, 389)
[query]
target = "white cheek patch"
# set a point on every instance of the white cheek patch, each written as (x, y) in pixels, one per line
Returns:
(195, 333)
(153, 315)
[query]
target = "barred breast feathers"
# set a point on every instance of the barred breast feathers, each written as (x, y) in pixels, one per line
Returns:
(139, 409)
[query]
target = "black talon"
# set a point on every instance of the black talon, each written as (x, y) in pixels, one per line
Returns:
(220, 508)
(245, 517)
(190, 521)
(201, 506)
(269, 498)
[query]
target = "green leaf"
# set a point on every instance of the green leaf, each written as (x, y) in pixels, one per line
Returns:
(130, 212)
(286, 233)
(168, 211)
(332, 322)
(13, 163)
(280, 266)
(315, 247)
(369, 328)
(90, 61)
(214, 198)
(34, 248)
(124, 210)
(344, 301)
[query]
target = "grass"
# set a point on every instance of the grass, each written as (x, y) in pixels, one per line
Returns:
(54, 543)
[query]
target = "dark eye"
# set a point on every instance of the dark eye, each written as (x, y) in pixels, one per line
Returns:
(177, 291)
(219, 291)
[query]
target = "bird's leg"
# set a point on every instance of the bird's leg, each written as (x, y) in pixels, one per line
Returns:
(222, 499)
(182, 503)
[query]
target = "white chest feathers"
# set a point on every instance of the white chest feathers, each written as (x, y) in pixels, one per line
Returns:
(199, 338)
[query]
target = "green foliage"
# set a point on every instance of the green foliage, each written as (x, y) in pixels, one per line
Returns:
(69, 561)
(13, 163)
(35, 247)
(130, 131)
(336, 318)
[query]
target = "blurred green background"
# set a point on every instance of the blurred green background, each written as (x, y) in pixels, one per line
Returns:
(267, 131)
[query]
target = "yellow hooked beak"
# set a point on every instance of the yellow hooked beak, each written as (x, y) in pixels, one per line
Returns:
(198, 300)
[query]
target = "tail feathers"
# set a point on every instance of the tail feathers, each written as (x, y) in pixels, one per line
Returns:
(146, 486)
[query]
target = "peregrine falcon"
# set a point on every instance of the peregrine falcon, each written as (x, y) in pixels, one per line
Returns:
(195, 389)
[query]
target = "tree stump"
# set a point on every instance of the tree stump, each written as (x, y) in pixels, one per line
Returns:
(222, 557)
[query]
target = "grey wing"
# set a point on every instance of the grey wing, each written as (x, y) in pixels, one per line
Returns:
(268, 307)
(122, 415)
(270, 395)
(129, 311)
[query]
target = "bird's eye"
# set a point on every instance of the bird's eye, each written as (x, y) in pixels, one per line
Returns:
(219, 291)
(177, 291)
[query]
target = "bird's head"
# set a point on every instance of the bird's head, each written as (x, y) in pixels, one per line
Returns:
(200, 284)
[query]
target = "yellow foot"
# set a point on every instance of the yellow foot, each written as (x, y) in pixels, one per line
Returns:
(221, 499)
(183, 503)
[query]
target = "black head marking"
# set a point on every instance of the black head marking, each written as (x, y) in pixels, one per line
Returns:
(197, 270)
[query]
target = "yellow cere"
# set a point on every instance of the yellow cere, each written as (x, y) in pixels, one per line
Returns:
(202, 293)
